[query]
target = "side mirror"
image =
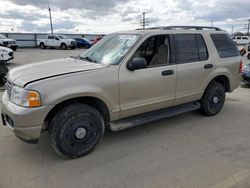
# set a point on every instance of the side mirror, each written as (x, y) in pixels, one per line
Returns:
(56, 38)
(137, 63)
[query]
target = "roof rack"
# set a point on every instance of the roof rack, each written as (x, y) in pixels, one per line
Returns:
(186, 27)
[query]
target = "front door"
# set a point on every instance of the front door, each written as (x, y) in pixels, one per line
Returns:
(151, 88)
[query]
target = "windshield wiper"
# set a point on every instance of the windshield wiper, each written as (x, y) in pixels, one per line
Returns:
(88, 58)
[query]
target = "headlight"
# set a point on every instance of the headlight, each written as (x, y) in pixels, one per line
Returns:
(25, 98)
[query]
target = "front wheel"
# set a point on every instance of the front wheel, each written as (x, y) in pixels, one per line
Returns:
(213, 99)
(42, 45)
(76, 130)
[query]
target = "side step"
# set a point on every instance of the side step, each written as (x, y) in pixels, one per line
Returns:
(153, 116)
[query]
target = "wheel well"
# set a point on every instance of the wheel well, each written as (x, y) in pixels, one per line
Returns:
(98, 104)
(224, 81)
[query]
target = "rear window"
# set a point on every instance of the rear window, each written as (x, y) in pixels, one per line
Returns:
(225, 45)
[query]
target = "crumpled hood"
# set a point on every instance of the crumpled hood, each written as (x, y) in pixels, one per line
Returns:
(36, 71)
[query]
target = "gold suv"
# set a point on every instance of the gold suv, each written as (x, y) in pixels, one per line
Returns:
(127, 79)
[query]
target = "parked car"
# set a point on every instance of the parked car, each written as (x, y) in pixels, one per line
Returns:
(241, 40)
(245, 51)
(6, 54)
(246, 73)
(125, 80)
(7, 42)
(54, 41)
(83, 42)
(97, 39)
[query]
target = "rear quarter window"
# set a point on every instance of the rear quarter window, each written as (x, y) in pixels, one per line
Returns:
(225, 45)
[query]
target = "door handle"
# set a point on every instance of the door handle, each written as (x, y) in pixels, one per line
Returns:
(167, 72)
(208, 66)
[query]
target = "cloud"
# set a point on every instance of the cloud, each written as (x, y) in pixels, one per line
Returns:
(116, 15)
(96, 5)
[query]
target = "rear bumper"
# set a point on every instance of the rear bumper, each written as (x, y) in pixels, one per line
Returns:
(26, 123)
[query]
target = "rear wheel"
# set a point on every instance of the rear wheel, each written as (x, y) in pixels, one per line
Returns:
(76, 130)
(213, 99)
(63, 46)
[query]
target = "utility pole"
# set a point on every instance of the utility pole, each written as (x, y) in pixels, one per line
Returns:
(232, 30)
(248, 27)
(51, 25)
(144, 20)
(212, 22)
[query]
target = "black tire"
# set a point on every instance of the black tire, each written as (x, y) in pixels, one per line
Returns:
(63, 46)
(248, 56)
(213, 99)
(73, 47)
(42, 45)
(76, 130)
(14, 48)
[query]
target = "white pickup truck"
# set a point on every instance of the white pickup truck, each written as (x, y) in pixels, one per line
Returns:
(54, 41)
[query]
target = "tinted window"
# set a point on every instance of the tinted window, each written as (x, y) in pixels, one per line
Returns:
(203, 54)
(50, 37)
(225, 45)
(245, 38)
(238, 38)
(190, 48)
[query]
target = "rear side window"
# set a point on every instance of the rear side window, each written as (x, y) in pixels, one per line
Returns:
(190, 48)
(50, 37)
(225, 45)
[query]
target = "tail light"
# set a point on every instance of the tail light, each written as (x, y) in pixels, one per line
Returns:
(241, 67)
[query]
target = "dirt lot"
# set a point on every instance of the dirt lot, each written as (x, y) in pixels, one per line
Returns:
(188, 150)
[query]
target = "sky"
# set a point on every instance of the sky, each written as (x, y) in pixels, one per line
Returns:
(107, 16)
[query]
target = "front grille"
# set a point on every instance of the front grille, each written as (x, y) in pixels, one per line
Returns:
(8, 87)
(11, 42)
(11, 54)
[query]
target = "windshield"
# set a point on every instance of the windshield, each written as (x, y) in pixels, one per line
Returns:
(2, 36)
(62, 37)
(111, 49)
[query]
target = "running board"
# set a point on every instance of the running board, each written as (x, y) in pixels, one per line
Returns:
(153, 116)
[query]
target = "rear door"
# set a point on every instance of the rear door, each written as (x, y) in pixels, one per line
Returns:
(193, 64)
(50, 40)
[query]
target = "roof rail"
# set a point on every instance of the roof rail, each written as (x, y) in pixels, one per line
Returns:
(186, 27)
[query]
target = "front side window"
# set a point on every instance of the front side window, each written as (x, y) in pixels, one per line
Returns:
(111, 49)
(225, 45)
(156, 50)
(190, 48)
